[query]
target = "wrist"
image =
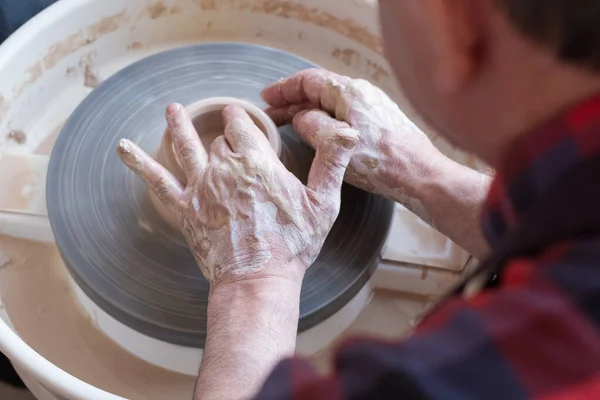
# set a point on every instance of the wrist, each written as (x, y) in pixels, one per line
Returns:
(278, 282)
(252, 325)
(449, 178)
(409, 171)
(256, 289)
(275, 270)
(242, 309)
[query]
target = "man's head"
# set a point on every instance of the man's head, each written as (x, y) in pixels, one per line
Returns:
(484, 71)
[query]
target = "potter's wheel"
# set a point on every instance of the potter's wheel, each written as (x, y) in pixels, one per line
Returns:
(117, 248)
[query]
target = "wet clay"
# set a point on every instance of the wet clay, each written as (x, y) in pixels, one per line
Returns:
(38, 298)
(383, 161)
(207, 120)
(241, 210)
(164, 273)
(18, 136)
(42, 307)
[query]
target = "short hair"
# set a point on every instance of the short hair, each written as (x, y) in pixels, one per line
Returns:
(569, 28)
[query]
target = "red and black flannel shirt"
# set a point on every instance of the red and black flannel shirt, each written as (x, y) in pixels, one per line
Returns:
(535, 335)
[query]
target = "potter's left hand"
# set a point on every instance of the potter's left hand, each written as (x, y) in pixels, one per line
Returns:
(393, 155)
(241, 211)
(393, 158)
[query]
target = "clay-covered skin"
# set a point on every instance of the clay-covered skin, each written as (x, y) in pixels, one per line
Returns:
(393, 158)
(377, 164)
(242, 211)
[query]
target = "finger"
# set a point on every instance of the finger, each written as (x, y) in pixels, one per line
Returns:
(333, 154)
(312, 124)
(220, 148)
(241, 132)
(160, 181)
(312, 85)
(285, 114)
(188, 148)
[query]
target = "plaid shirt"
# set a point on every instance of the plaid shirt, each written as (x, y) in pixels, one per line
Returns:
(536, 334)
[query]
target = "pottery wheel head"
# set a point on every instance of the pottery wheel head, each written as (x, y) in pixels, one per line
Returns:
(115, 245)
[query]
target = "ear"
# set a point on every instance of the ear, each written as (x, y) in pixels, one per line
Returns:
(456, 34)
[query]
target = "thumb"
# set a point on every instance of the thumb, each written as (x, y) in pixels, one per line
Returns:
(334, 142)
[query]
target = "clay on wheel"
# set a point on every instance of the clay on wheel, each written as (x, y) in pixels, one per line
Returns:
(207, 118)
(121, 252)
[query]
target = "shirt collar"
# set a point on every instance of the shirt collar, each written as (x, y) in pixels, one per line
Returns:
(537, 161)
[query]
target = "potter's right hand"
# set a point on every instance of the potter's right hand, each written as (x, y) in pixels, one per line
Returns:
(244, 215)
(392, 154)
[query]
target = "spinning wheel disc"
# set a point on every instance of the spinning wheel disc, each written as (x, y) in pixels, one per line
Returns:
(117, 248)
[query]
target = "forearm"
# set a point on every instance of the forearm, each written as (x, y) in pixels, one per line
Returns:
(445, 194)
(452, 196)
(251, 326)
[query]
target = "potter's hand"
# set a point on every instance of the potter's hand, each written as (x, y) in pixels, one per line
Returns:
(392, 154)
(393, 157)
(242, 212)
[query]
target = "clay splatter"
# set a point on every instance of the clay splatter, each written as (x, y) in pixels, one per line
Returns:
(58, 51)
(347, 56)
(34, 73)
(4, 106)
(71, 71)
(4, 261)
(90, 79)
(157, 10)
(90, 75)
(377, 73)
(18, 136)
(134, 46)
(301, 12)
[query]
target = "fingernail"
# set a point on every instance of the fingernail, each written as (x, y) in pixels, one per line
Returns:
(174, 107)
(173, 111)
(126, 152)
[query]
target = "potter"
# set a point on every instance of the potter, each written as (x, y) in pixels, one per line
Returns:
(516, 83)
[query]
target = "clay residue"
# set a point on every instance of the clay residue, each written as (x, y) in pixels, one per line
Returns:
(376, 72)
(4, 106)
(39, 300)
(143, 224)
(207, 5)
(134, 46)
(175, 10)
(347, 56)
(301, 12)
(90, 79)
(58, 51)
(45, 147)
(71, 71)
(370, 162)
(90, 75)
(157, 9)
(34, 73)
(17, 136)
(4, 261)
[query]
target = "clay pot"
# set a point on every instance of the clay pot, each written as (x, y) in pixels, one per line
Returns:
(207, 118)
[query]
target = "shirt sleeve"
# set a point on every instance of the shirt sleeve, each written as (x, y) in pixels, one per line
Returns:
(527, 338)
